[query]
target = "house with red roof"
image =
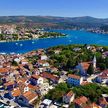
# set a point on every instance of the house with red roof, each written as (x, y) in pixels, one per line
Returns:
(36, 80)
(43, 63)
(83, 67)
(4, 71)
(102, 77)
(92, 105)
(10, 85)
(102, 102)
(74, 80)
(50, 76)
(68, 97)
(26, 99)
(80, 102)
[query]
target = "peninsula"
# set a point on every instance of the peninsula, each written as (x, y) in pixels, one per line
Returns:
(15, 33)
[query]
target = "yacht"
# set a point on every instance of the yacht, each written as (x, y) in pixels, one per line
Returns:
(21, 44)
(33, 42)
(16, 43)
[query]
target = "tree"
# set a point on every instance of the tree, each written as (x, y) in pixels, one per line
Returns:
(72, 105)
(102, 66)
(57, 93)
(14, 63)
(106, 62)
(90, 69)
(91, 91)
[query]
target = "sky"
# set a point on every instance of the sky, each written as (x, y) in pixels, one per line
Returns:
(65, 8)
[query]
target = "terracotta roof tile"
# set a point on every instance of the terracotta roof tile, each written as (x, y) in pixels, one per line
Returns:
(49, 76)
(103, 101)
(81, 100)
(35, 76)
(33, 87)
(104, 74)
(74, 76)
(85, 83)
(9, 83)
(4, 70)
(16, 92)
(93, 105)
(85, 65)
(29, 95)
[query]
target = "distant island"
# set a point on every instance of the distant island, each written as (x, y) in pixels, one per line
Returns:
(91, 24)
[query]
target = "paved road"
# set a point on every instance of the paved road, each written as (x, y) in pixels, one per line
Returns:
(91, 78)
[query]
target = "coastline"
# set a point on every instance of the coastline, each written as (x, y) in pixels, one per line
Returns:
(32, 39)
(73, 37)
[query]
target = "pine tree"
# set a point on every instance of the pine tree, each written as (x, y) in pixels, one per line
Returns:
(90, 70)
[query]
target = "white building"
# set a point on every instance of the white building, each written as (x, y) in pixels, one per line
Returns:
(44, 88)
(37, 79)
(46, 64)
(17, 60)
(46, 103)
(44, 57)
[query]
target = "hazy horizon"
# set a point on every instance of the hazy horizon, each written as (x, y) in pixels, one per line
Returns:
(62, 8)
(50, 16)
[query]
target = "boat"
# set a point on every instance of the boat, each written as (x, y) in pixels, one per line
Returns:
(33, 42)
(70, 40)
(21, 44)
(16, 43)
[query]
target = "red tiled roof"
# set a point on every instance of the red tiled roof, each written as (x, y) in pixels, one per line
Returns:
(105, 71)
(85, 65)
(30, 95)
(93, 105)
(9, 83)
(81, 100)
(23, 80)
(103, 101)
(4, 70)
(33, 87)
(85, 83)
(49, 76)
(74, 76)
(104, 74)
(35, 76)
(16, 92)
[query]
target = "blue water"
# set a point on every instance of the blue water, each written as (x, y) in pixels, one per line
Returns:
(74, 37)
